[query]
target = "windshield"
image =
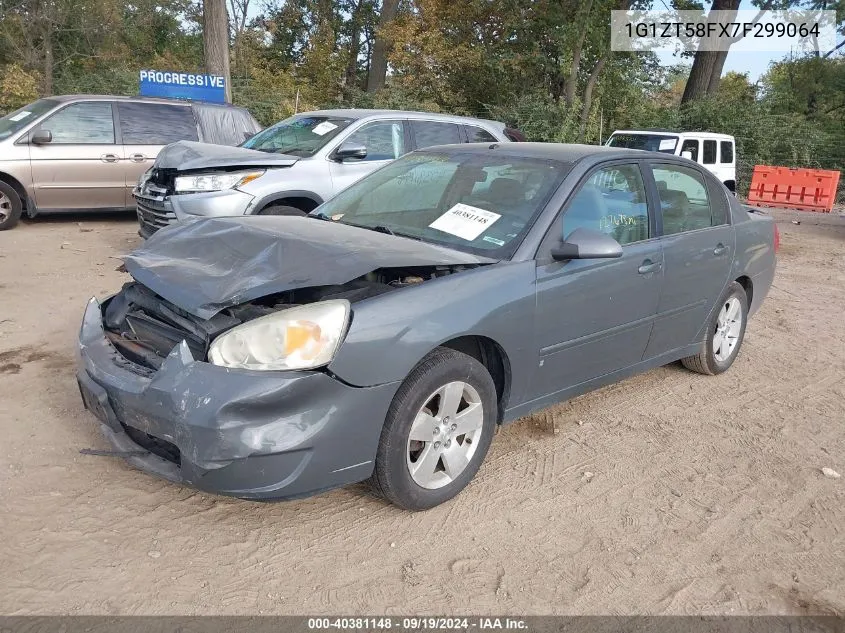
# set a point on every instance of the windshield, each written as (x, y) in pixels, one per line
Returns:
(479, 203)
(298, 135)
(22, 117)
(665, 143)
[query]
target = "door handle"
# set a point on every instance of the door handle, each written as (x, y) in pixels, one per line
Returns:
(137, 158)
(109, 158)
(720, 249)
(648, 266)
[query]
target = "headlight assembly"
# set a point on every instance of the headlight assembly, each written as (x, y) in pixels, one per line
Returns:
(304, 337)
(215, 182)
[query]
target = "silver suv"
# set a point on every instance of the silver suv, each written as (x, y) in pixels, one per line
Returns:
(86, 152)
(295, 165)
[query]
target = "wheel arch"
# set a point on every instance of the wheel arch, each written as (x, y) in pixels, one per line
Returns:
(494, 358)
(15, 184)
(303, 200)
(748, 286)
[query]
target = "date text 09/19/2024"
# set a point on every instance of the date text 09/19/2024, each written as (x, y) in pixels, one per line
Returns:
(417, 623)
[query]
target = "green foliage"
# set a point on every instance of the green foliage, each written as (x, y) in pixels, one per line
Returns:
(17, 87)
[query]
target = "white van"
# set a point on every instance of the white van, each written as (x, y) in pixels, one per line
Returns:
(716, 152)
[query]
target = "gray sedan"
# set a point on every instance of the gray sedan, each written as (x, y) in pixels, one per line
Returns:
(385, 337)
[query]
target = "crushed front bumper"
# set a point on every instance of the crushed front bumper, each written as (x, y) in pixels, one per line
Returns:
(249, 434)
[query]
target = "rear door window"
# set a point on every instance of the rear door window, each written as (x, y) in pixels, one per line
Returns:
(478, 135)
(429, 133)
(87, 123)
(684, 199)
(156, 123)
(709, 153)
(727, 155)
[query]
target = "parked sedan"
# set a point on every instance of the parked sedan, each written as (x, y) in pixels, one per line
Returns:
(384, 337)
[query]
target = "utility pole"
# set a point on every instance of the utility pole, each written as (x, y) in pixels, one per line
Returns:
(215, 41)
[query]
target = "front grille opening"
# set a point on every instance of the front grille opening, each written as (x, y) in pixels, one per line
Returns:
(155, 445)
(144, 327)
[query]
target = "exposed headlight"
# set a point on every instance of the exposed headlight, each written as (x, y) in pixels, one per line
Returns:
(215, 182)
(304, 337)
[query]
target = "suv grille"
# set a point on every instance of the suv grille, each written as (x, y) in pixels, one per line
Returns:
(152, 212)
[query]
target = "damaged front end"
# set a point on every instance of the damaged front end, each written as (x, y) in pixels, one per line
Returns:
(144, 366)
(145, 327)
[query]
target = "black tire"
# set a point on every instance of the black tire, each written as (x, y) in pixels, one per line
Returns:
(280, 209)
(392, 478)
(705, 362)
(9, 216)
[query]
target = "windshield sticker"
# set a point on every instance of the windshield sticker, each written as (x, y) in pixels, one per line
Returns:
(465, 221)
(20, 116)
(667, 143)
(324, 128)
(493, 240)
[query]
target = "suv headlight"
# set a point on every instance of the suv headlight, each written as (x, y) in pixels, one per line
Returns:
(196, 183)
(304, 337)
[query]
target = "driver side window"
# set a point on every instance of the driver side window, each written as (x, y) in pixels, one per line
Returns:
(613, 202)
(384, 140)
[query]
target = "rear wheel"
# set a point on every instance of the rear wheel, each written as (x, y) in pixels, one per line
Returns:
(280, 209)
(725, 333)
(10, 206)
(437, 432)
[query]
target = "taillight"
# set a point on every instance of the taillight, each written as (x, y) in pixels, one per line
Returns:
(777, 238)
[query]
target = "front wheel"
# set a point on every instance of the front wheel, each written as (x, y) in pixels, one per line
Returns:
(725, 333)
(437, 431)
(11, 206)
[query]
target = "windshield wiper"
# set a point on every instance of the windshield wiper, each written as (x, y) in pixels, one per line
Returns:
(381, 228)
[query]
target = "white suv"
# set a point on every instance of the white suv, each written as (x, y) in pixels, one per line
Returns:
(716, 152)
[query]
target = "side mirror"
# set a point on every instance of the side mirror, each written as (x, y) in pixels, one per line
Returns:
(41, 137)
(587, 244)
(687, 155)
(350, 150)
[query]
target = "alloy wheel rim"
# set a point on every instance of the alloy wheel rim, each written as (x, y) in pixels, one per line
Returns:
(445, 435)
(5, 206)
(728, 327)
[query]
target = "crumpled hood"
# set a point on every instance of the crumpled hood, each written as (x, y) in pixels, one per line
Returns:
(213, 263)
(191, 155)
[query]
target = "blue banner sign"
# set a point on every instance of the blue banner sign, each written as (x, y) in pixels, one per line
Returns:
(176, 85)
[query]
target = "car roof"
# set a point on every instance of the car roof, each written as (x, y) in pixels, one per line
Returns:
(185, 102)
(675, 132)
(561, 152)
(361, 113)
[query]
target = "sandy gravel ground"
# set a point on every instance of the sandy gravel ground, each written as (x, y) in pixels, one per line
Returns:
(706, 494)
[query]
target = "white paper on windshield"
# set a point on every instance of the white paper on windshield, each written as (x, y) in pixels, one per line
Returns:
(20, 116)
(465, 221)
(667, 143)
(324, 128)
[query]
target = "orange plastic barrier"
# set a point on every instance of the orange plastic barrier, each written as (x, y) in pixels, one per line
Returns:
(806, 189)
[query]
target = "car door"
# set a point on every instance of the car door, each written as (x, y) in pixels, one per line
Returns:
(80, 168)
(385, 141)
(595, 316)
(145, 129)
(698, 249)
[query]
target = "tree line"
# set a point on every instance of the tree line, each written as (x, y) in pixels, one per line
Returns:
(544, 66)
